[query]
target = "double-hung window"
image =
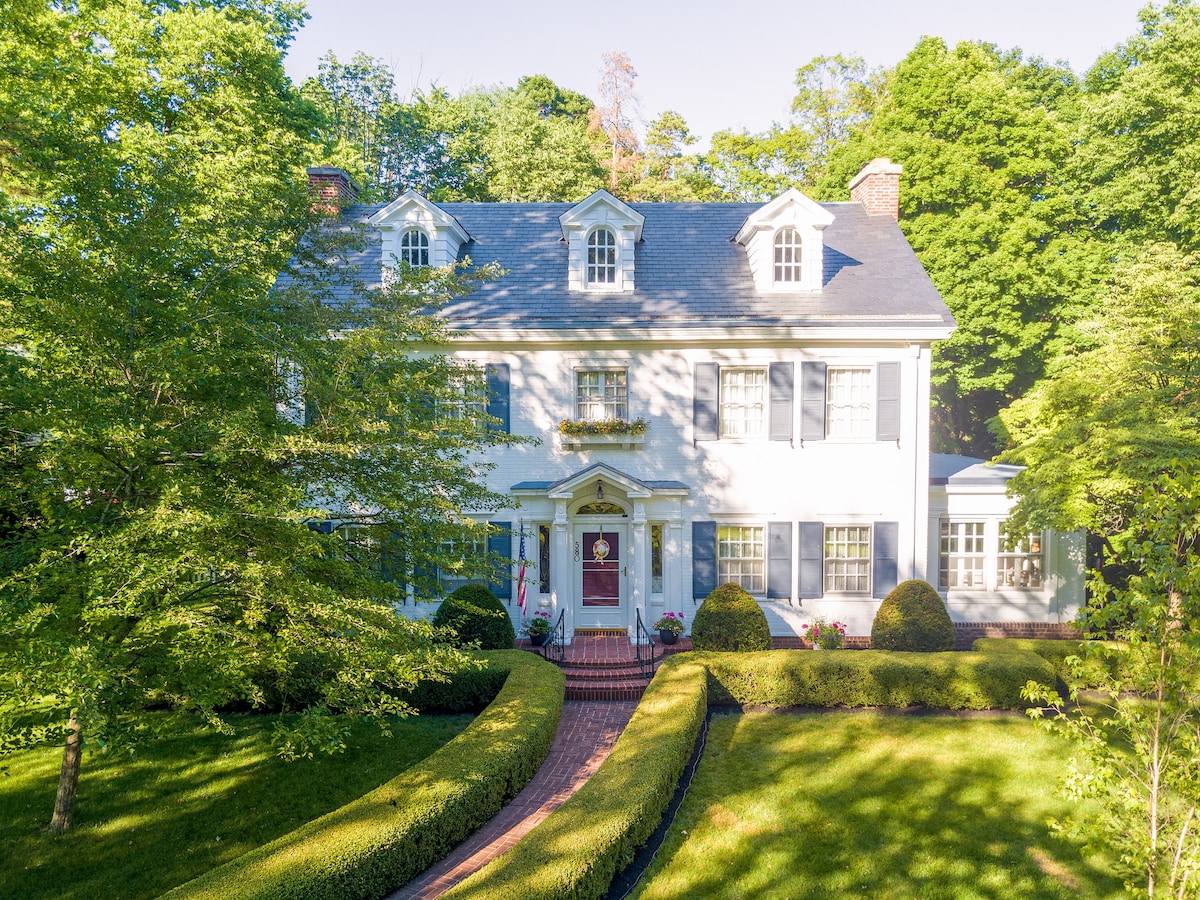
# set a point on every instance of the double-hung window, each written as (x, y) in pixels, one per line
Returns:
(459, 560)
(848, 559)
(743, 402)
(601, 394)
(741, 557)
(1020, 563)
(848, 401)
(960, 555)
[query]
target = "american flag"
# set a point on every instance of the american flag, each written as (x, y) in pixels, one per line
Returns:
(521, 574)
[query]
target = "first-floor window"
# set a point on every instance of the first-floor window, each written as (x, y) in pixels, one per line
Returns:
(459, 559)
(467, 400)
(601, 394)
(743, 403)
(1020, 562)
(960, 555)
(741, 557)
(544, 559)
(848, 558)
(656, 559)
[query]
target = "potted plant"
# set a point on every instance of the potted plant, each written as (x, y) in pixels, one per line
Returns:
(826, 635)
(537, 627)
(669, 627)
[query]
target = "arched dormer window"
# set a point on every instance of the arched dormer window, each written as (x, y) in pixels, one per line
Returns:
(601, 257)
(787, 256)
(414, 248)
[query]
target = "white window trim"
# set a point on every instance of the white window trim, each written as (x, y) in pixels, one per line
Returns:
(424, 248)
(613, 267)
(985, 559)
(867, 424)
(795, 265)
(723, 577)
(763, 419)
(827, 590)
(600, 369)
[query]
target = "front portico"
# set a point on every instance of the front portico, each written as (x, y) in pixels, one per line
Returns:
(615, 547)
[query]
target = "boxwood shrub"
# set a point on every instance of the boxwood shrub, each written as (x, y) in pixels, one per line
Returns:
(477, 617)
(578, 850)
(912, 616)
(378, 843)
(1088, 673)
(844, 678)
(730, 619)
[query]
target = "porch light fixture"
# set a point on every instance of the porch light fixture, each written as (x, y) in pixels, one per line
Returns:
(599, 489)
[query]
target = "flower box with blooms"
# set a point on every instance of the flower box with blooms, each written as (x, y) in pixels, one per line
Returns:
(585, 428)
(826, 635)
(539, 624)
(671, 622)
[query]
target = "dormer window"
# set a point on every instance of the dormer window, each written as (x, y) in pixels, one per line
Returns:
(784, 242)
(414, 248)
(601, 234)
(601, 257)
(787, 256)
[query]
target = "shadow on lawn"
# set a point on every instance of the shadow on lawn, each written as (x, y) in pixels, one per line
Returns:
(858, 804)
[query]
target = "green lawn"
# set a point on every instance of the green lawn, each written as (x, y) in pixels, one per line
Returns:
(146, 823)
(864, 804)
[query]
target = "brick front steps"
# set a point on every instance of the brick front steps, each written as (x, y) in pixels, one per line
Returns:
(604, 666)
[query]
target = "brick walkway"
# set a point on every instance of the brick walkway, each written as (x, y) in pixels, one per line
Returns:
(586, 734)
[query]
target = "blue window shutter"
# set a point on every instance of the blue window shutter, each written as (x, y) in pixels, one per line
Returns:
(812, 401)
(321, 526)
(500, 544)
(812, 560)
(704, 559)
(883, 558)
(779, 560)
(497, 393)
(887, 401)
(705, 387)
(781, 378)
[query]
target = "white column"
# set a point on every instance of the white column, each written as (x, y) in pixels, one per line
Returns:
(639, 559)
(562, 566)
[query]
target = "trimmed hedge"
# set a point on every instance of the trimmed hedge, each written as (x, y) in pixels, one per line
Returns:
(578, 850)
(852, 678)
(730, 619)
(913, 617)
(477, 617)
(386, 838)
(1091, 672)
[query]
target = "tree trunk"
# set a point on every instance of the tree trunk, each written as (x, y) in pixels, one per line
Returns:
(68, 780)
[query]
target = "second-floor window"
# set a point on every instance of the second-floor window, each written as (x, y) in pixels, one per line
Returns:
(743, 402)
(601, 394)
(601, 257)
(414, 248)
(848, 401)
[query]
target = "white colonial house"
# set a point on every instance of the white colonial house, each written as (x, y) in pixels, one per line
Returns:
(767, 366)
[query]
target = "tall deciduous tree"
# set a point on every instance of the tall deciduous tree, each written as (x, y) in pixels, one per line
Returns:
(157, 551)
(988, 202)
(614, 117)
(668, 173)
(835, 94)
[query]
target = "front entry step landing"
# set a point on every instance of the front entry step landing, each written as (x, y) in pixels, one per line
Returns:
(603, 666)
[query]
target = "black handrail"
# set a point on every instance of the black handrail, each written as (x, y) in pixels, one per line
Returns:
(555, 647)
(643, 646)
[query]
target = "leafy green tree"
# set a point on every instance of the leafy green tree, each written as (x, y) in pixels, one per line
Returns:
(1141, 130)
(158, 550)
(668, 173)
(1141, 751)
(835, 95)
(757, 167)
(989, 204)
(1116, 412)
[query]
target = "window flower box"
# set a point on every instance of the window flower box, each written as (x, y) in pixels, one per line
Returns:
(616, 433)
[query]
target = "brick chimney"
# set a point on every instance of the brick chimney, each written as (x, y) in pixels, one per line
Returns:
(877, 187)
(330, 188)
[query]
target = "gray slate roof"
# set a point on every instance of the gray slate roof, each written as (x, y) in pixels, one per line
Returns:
(688, 272)
(947, 468)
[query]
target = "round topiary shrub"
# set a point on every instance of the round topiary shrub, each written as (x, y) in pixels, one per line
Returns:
(477, 616)
(912, 617)
(730, 620)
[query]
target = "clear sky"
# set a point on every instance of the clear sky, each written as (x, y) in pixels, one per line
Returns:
(719, 63)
